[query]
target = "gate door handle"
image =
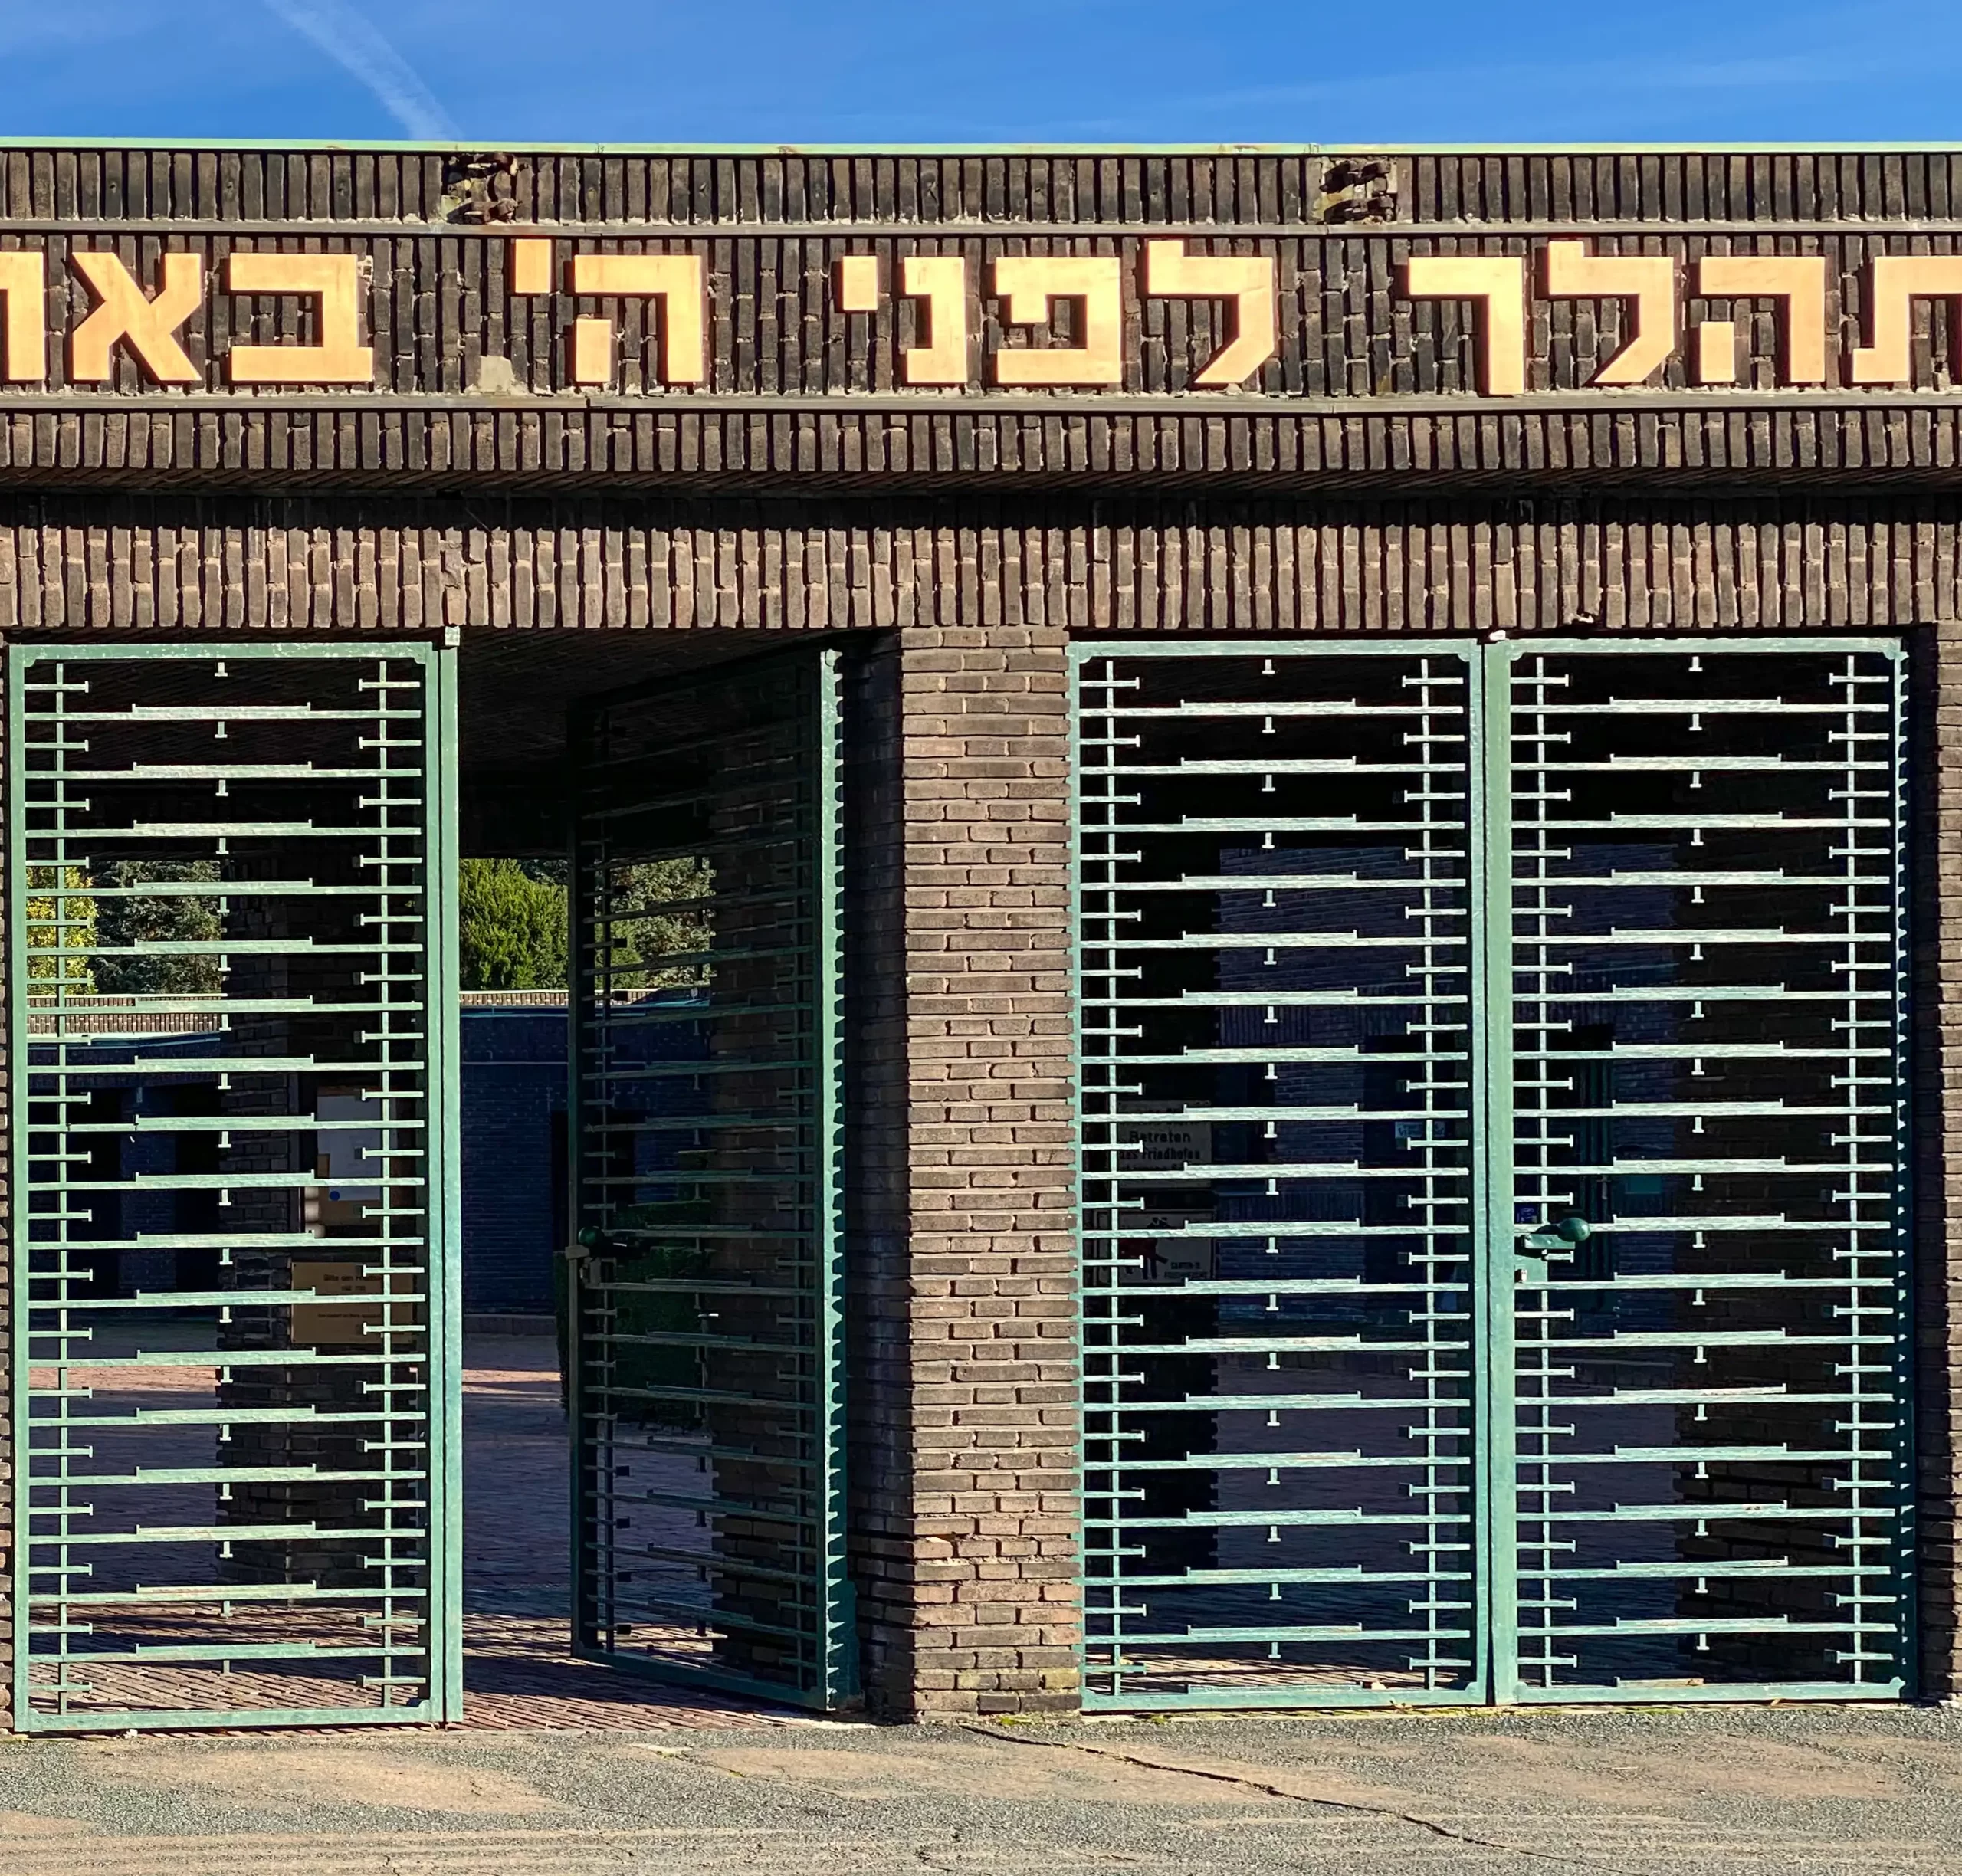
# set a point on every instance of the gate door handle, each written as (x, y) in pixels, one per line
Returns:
(1558, 1239)
(583, 1246)
(1561, 1238)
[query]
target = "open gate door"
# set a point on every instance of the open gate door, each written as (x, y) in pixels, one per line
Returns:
(706, 1369)
(231, 1087)
(1494, 1157)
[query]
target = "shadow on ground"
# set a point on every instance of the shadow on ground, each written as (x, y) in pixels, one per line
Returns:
(519, 1670)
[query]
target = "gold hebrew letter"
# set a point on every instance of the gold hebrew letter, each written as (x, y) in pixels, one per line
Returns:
(1028, 283)
(1497, 282)
(147, 326)
(531, 265)
(941, 281)
(1246, 279)
(593, 351)
(1895, 282)
(858, 287)
(1798, 280)
(1649, 279)
(332, 282)
(24, 286)
(1716, 351)
(675, 281)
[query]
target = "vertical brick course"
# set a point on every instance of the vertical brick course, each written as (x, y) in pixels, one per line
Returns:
(974, 1609)
(8, 1340)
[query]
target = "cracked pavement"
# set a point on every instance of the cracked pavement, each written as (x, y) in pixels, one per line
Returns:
(1801, 1791)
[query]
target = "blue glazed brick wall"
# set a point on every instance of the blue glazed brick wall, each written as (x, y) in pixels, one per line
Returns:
(513, 1102)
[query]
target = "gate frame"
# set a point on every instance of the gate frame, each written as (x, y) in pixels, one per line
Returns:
(443, 1155)
(1476, 1692)
(838, 1679)
(1497, 657)
(1494, 1682)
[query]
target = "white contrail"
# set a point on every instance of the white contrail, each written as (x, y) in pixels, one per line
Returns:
(359, 47)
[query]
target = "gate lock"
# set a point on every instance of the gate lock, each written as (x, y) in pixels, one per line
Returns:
(1561, 1238)
(586, 1243)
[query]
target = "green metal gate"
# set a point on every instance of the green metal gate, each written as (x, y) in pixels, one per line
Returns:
(1493, 1171)
(705, 1267)
(231, 1081)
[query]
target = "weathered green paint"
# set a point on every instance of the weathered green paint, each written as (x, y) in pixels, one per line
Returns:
(111, 1524)
(1380, 1549)
(708, 1265)
(1615, 1532)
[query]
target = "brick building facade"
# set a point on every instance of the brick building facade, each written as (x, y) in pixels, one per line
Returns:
(535, 465)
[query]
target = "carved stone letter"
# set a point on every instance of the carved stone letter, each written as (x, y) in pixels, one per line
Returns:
(676, 281)
(148, 327)
(1028, 284)
(1246, 279)
(1497, 282)
(1649, 279)
(941, 280)
(333, 283)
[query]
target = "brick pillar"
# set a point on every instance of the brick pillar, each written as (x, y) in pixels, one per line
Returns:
(965, 1371)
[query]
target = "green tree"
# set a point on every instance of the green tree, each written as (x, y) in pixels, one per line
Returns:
(660, 911)
(62, 925)
(165, 916)
(512, 927)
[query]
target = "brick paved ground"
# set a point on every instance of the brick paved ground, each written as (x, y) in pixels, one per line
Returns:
(518, 1669)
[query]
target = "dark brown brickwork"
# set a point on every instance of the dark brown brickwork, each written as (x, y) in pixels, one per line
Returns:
(9, 1339)
(991, 1599)
(1358, 486)
(1585, 437)
(963, 1376)
(784, 187)
(472, 387)
(1937, 1120)
(1800, 563)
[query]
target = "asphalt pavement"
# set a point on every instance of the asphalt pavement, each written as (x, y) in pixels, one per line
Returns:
(1801, 1791)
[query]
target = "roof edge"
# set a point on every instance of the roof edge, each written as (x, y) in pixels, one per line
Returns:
(456, 146)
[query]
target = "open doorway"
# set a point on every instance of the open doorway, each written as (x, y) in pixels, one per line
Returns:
(258, 1489)
(652, 1096)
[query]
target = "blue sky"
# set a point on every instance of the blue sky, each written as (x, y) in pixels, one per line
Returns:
(677, 71)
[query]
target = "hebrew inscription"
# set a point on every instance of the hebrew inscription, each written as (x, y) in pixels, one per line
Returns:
(1497, 288)
(1268, 317)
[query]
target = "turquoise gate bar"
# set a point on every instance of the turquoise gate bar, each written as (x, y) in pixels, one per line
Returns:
(1276, 954)
(1710, 1393)
(1493, 1159)
(232, 1078)
(707, 1255)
